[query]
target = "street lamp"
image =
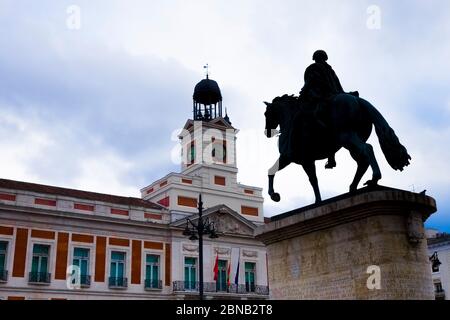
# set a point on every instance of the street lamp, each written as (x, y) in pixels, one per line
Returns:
(196, 232)
(435, 263)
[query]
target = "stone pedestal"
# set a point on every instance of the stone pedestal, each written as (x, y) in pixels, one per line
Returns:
(369, 245)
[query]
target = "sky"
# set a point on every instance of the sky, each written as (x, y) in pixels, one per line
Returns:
(91, 92)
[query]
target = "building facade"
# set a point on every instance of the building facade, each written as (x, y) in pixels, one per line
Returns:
(59, 243)
(439, 252)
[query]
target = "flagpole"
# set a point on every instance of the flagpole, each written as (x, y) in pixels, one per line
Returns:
(236, 277)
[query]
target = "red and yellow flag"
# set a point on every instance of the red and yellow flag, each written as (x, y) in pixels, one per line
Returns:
(216, 268)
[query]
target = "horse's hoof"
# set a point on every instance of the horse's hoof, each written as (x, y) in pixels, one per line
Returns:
(275, 197)
(371, 183)
(353, 189)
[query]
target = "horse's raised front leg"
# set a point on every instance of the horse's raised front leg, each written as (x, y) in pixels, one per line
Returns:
(278, 166)
(310, 169)
(273, 195)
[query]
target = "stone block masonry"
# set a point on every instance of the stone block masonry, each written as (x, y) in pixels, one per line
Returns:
(368, 245)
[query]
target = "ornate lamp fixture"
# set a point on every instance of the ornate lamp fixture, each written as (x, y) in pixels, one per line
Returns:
(435, 263)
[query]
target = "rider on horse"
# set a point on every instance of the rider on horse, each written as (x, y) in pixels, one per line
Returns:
(321, 82)
(325, 119)
(321, 85)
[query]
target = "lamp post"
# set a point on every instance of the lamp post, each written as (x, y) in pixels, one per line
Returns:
(196, 232)
(435, 263)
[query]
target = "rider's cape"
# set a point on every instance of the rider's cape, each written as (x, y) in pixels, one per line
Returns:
(321, 82)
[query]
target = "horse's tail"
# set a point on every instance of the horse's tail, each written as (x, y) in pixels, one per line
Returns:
(396, 154)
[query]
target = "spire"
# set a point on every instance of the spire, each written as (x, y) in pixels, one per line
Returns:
(227, 119)
(206, 67)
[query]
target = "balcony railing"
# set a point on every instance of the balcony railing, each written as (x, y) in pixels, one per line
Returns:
(439, 294)
(187, 286)
(39, 277)
(151, 284)
(3, 276)
(85, 280)
(116, 282)
(250, 287)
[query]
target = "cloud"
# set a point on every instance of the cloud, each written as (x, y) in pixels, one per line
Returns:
(96, 107)
(87, 118)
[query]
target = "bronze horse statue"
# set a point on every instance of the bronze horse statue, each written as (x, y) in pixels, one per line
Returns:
(349, 120)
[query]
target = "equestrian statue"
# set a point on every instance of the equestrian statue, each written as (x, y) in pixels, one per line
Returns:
(322, 120)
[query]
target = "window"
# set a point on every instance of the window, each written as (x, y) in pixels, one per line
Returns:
(438, 287)
(250, 272)
(152, 272)
(219, 151)
(3, 252)
(117, 270)
(192, 153)
(81, 260)
(221, 283)
(39, 265)
(190, 273)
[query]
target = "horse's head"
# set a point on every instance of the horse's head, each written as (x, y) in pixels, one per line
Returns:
(278, 111)
(272, 119)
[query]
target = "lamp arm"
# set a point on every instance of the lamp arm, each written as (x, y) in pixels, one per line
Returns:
(193, 225)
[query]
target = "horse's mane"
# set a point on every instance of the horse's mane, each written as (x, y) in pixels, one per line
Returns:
(286, 99)
(290, 101)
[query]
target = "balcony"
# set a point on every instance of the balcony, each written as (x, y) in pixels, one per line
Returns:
(250, 287)
(85, 281)
(213, 287)
(440, 294)
(3, 276)
(118, 283)
(153, 284)
(39, 278)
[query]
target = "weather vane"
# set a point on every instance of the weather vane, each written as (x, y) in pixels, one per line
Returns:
(206, 67)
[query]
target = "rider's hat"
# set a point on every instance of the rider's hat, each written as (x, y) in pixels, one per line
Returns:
(320, 55)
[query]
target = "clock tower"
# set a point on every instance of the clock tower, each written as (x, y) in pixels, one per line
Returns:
(208, 163)
(209, 139)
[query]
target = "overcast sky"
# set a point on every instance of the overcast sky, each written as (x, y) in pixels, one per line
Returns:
(93, 105)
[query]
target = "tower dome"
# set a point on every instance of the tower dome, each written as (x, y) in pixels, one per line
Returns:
(207, 92)
(207, 100)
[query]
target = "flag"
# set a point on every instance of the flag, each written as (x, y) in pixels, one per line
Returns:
(236, 277)
(216, 268)
(228, 274)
